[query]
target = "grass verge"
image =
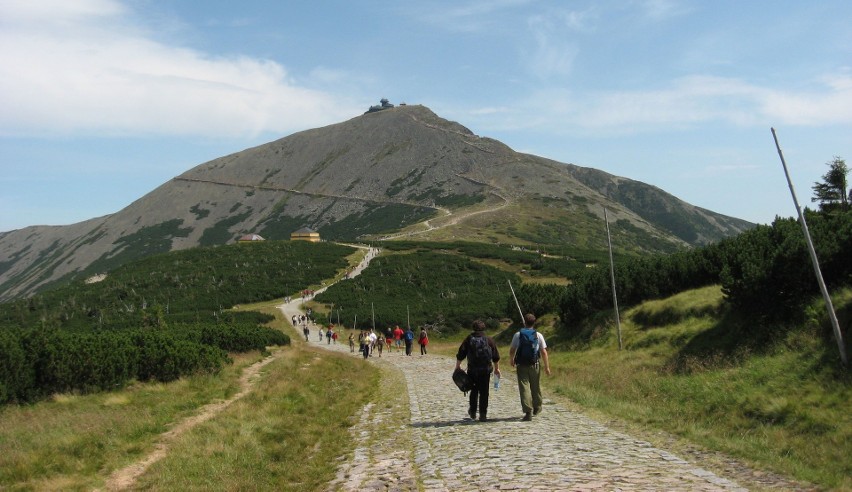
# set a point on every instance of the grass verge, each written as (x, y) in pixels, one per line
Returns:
(280, 436)
(778, 405)
(72, 441)
(286, 435)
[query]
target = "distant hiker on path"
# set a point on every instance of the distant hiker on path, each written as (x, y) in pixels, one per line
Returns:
(409, 340)
(380, 343)
(307, 332)
(423, 340)
(528, 346)
(482, 356)
(397, 336)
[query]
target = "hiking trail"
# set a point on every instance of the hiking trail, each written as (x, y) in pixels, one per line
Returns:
(435, 446)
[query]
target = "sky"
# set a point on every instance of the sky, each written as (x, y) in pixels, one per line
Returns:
(102, 101)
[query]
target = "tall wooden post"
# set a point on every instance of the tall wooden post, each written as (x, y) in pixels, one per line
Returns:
(612, 276)
(520, 311)
(838, 335)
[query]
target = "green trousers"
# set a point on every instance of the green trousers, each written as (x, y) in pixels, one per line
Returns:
(529, 387)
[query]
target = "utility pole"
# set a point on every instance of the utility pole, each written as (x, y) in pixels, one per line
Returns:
(838, 335)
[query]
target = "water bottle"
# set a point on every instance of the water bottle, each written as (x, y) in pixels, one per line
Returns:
(496, 382)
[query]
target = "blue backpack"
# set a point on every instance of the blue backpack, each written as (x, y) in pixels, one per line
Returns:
(527, 353)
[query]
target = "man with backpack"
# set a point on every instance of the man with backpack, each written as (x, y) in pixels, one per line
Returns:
(481, 354)
(527, 350)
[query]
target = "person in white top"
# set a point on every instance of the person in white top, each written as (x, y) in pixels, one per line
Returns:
(527, 352)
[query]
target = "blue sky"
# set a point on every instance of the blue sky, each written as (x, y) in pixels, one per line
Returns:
(101, 101)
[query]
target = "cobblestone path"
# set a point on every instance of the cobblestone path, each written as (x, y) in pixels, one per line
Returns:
(438, 446)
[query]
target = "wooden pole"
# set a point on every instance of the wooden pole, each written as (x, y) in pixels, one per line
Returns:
(373, 312)
(838, 335)
(520, 311)
(408, 317)
(612, 276)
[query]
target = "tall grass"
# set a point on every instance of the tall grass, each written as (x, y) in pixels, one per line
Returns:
(71, 441)
(283, 435)
(778, 404)
(287, 435)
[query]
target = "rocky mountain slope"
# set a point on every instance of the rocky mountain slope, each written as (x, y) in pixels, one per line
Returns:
(400, 172)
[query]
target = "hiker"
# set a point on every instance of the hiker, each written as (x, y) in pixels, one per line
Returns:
(328, 334)
(352, 342)
(397, 336)
(409, 340)
(423, 340)
(481, 354)
(527, 349)
(380, 343)
(372, 338)
(307, 332)
(365, 346)
(389, 338)
(320, 333)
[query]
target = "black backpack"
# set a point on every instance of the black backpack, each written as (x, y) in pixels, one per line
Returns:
(478, 353)
(462, 380)
(527, 353)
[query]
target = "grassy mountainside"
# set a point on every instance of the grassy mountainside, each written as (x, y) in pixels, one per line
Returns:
(782, 404)
(372, 176)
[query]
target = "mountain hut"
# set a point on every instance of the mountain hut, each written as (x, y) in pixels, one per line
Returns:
(248, 238)
(305, 234)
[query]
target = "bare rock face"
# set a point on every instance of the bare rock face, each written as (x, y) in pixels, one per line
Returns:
(371, 176)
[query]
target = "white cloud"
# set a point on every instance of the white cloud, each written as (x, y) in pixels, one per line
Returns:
(83, 67)
(685, 102)
(554, 52)
(659, 10)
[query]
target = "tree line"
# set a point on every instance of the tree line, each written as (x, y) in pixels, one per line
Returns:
(765, 273)
(159, 318)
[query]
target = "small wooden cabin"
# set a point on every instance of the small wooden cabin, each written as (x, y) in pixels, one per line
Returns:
(305, 234)
(248, 238)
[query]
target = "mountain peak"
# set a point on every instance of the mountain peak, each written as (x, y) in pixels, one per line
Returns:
(402, 171)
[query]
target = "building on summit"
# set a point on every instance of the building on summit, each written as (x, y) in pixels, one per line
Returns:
(385, 105)
(305, 234)
(248, 238)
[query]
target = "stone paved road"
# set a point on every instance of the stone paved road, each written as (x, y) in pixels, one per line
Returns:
(558, 450)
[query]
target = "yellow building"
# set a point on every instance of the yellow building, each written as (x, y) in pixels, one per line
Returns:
(305, 234)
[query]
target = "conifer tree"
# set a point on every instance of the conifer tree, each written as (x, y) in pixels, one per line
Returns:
(831, 192)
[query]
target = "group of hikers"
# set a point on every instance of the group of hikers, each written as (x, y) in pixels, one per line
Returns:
(369, 341)
(527, 354)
